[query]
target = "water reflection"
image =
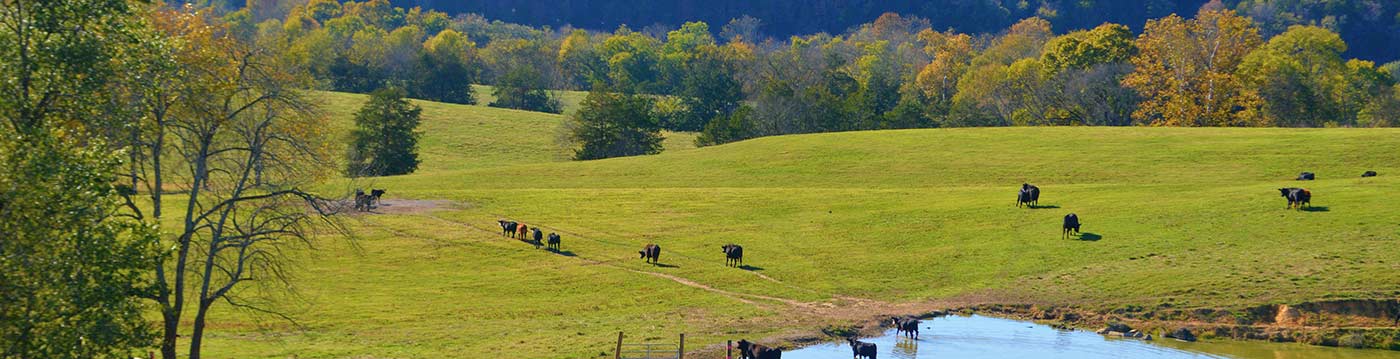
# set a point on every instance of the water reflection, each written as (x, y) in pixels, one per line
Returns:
(906, 348)
(987, 337)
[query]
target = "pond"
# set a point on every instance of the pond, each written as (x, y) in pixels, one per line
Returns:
(987, 337)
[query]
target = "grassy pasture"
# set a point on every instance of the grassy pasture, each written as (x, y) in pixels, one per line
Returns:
(1177, 217)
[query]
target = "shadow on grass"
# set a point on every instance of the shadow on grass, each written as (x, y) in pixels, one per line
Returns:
(1316, 209)
(564, 253)
(750, 268)
(1048, 206)
(663, 265)
(1089, 236)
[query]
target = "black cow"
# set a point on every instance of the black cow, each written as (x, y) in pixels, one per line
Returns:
(1071, 224)
(861, 349)
(1297, 197)
(1029, 195)
(751, 350)
(374, 195)
(651, 253)
(1369, 174)
(539, 237)
(733, 255)
(1306, 176)
(361, 201)
(508, 228)
(553, 241)
(909, 326)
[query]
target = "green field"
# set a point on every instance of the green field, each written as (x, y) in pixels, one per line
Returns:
(837, 227)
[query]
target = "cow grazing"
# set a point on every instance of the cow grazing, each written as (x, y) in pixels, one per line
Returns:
(751, 350)
(1306, 176)
(1369, 174)
(861, 349)
(508, 228)
(1029, 195)
(521, 231)
(908, 326)
(733, 255)
(651, 253)
(1071, 224)
(1297, 197)
(374, 195)
(553, 242)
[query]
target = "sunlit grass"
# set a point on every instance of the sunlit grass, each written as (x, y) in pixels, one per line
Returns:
(1182, 217)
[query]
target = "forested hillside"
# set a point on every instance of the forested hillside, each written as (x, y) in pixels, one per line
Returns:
(1371, 26)
(1213, 66)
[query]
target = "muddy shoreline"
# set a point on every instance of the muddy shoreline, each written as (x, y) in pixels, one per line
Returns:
(1351, 323)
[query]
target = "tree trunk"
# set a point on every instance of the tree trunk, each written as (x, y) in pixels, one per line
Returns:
(172, 331)
(197, 334)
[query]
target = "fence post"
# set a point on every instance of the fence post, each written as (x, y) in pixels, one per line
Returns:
(729, 349)
(618, 353)
(680, 352)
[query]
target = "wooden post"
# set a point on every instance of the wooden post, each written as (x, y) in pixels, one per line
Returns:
(618, 353)
(681, 352)
(729, 349)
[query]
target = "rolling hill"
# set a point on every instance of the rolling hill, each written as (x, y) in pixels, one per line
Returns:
(838, 227)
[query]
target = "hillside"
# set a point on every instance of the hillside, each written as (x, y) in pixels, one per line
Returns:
(838, 227)
(465, 136)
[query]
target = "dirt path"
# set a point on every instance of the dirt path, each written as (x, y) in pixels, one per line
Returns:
(838, 307)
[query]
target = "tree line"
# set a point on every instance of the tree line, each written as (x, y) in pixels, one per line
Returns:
(154, 168)
(1214, 67)
(1371, 26)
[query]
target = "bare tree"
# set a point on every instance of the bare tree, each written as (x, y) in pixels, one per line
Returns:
(226, 127)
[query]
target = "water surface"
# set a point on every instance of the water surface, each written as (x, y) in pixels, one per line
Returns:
(987, 337)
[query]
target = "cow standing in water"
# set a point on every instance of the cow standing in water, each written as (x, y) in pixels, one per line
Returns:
(861, 349)
(909, 326)
(733, 255)
(1071, 224)
(651, 253)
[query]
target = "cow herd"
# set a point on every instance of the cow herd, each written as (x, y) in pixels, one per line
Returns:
(532, 235)
(1028, 195)
(1297, 199)
(906, 326)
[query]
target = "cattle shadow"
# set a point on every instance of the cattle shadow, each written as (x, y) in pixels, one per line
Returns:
(750, 268)
(1048, 206)
(1089, 236)
(563, 253)
(664, 265)
(1316, 209)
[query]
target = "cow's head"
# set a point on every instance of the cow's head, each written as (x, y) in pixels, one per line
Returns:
(1283, 192)
(744, 344)
(643, 253)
